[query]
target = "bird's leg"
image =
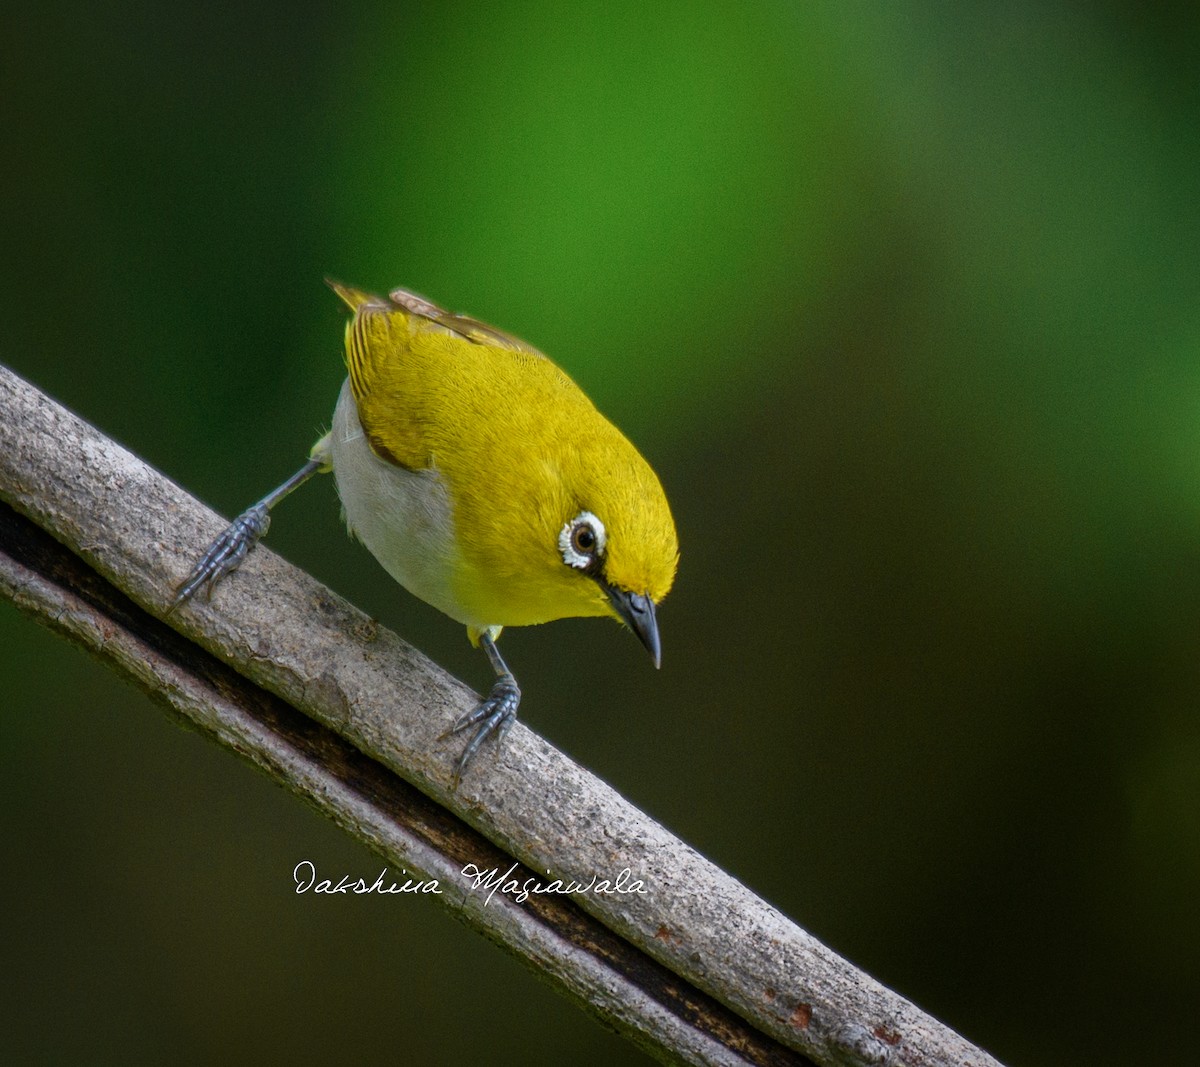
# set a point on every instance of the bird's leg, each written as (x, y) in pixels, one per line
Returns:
(241, 535)
(495, 714)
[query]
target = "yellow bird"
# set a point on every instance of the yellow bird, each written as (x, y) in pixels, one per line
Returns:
(485, 482)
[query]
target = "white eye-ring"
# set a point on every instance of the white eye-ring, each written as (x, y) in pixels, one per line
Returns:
(581, 541)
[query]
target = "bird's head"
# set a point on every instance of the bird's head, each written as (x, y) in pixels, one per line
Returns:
(617, 543)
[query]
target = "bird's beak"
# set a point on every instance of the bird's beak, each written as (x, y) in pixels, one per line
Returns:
(637, 612)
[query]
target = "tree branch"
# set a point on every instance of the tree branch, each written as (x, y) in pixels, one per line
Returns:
(278, 668)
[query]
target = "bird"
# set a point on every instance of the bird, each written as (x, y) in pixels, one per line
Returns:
(485, 482)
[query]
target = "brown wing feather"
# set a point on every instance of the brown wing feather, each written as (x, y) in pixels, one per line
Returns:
(463, 325)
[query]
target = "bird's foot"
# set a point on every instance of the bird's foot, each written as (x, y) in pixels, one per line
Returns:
(494, 715)
(224, 554)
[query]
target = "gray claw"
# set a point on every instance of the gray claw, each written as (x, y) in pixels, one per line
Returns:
(224, 554)
(493, 715)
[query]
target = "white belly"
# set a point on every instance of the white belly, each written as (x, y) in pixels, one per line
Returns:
(402, 516)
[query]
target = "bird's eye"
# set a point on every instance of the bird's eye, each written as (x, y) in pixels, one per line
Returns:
(582, 542)
(583, 539)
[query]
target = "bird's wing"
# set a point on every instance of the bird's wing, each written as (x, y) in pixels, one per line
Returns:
(463, 325)
(396, 349)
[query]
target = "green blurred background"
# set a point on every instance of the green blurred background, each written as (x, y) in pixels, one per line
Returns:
(901, 302)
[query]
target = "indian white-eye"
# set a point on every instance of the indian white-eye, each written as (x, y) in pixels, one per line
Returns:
(484, 481)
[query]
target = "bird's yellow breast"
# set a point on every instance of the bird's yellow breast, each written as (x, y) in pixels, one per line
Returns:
(519, 450)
